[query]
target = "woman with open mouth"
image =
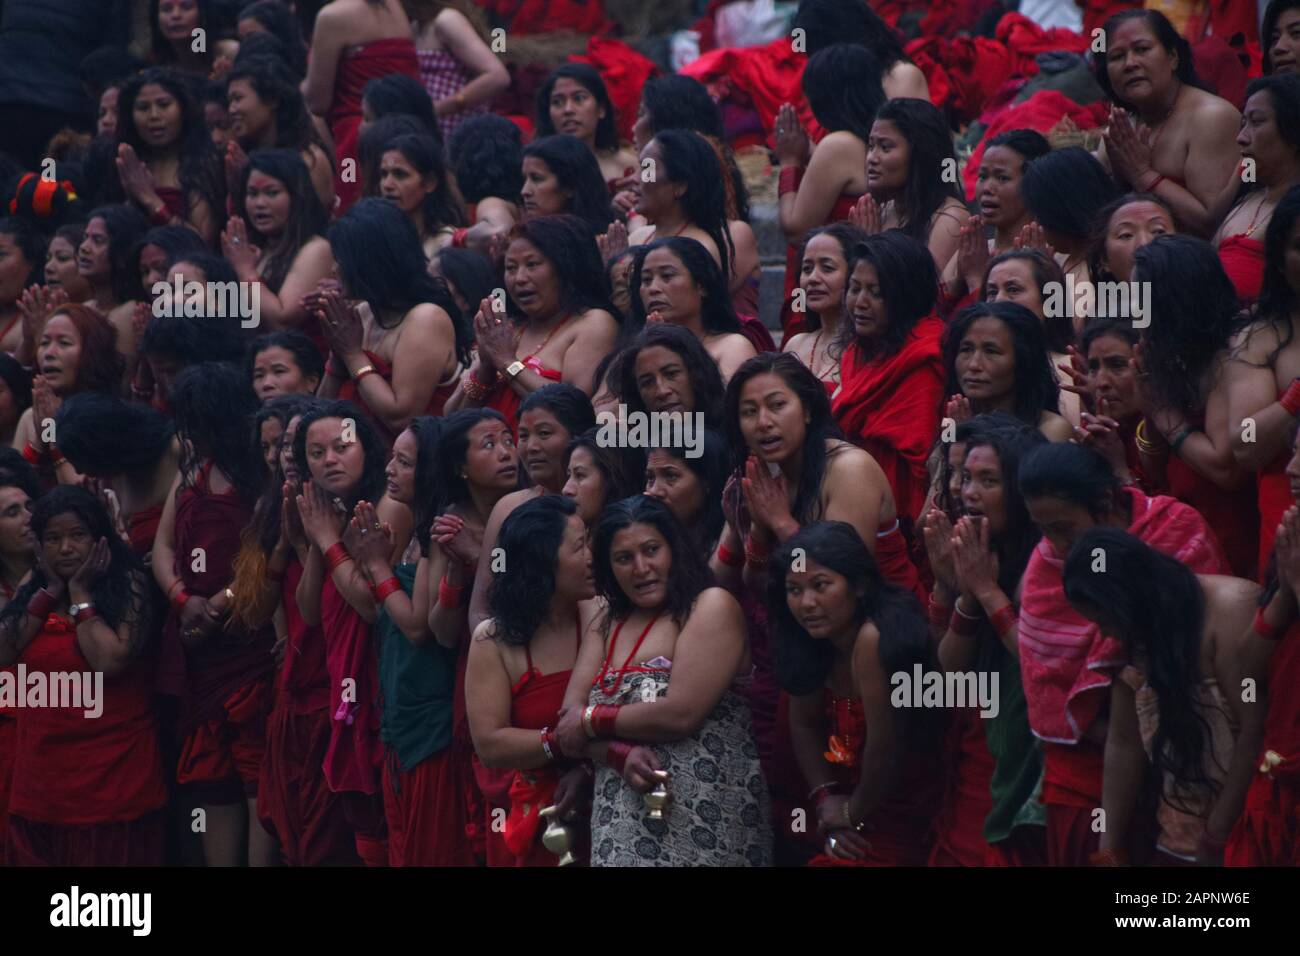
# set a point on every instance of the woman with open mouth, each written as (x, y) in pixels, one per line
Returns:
(521, 661)
(663, 708)
(823, 274)
(279, 243)
(674, 280)
(1189, 154)
(691, 486)
(558, 323)
(166, 165)
(575, 102)
(84, 611)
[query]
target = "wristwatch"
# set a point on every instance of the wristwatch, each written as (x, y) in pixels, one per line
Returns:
(75, 609)
(514, 368)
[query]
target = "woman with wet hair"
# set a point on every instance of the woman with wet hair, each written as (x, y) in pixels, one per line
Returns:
(891, 375)
(486, 154)
(1188, 153)
(675, 280)
(400, 342)
(283, 363)
(597, 473)
(277, 20)
(995, 359)
(573, 100)
(84, 607)
(279, 243)
(542, 603)
(1187, 439)
(667, 369)
(823, 275)
(340, 459)
(227, 667)
(413, 175)
(166, 165)
(691, 485)
(352, 43)
(1187, 642)
(841, 631)
(172, 26)
(22, 264)
(469, 275)
(561, 176)
(1122, 227)
(549, 419)
(104, 261)
(682, 644)
(559, 322)
(827, 22)
(267, 112)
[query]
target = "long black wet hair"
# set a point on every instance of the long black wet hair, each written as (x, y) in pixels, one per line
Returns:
(1035, 388)
(688, 576)
(519, 597)
(212, 405)
(1066, 191)
(932, 156)
(1278, 299)
(279, 21)
(716, 312)
(1155, 606)
(589, 79)
(689, 159)
(909, 286)
(486, 153)
(92, 425)
(826, 22)
(1074, 473)
(803, 664)
(706, 380)
(842, 85)
(576, 170)
(370, 487)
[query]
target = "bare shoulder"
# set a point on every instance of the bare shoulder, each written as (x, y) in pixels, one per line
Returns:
(866, 648)
(502, 509)
(1208, 108)
(718, 605)
(848, 461)
(1055, 428)
(1232, 591)
(597, 320)
(795, 342)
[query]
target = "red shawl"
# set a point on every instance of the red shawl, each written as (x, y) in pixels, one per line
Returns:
(1063, 657)
(354, 756)
(890, 407)
(357, 68)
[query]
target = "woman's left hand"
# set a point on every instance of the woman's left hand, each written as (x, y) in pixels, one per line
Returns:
(96, 563)
(342, 325)
(1128, 144)
(137, 180)
(241, 253)
(495, 335)
(975, 563)
(790, 139)
(374, 538)
(569, 732)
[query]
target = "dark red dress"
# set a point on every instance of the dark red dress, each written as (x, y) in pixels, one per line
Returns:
(350, 392)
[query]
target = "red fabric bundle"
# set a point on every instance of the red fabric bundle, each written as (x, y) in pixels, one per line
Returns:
(624, 71)
(545, 16)
(1097, 12)
(766, 76)
(971, 68)
(1025, 37)
(1040, 112)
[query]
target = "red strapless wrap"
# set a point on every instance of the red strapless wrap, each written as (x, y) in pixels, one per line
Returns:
(1243, 261)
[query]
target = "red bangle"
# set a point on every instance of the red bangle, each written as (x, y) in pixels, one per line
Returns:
(1154, 183)
(85, 614)
(458, 238)
(1108, 858)
(1004, 619)
(449, 595)
(336, 556)
(602, 720)
(385, 588)
(939, 613)
(729, 557)
(41, 604)
(548, 743)
(616, 755)
(1290, 399)
(32, 456)
(161, 216)
(179, 598)
(962, 624)
(1264, 629)
(56, 456)
(755, 555)
(789, 180)
(363, 372)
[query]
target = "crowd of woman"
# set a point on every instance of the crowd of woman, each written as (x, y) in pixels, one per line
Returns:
(369, 583)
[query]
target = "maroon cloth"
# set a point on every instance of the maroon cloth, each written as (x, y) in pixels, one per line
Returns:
(1234, 515)
(967, 801)
(350, 392)
(143, 528)
(8, 743)
(173, 199)
(354, 756)
(231, 658)
(304, 682)
(130, 843)
(357, 67)
(425, 810)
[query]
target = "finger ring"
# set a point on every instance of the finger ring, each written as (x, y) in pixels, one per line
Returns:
(831, 843)
(365, 530)
(377, 526)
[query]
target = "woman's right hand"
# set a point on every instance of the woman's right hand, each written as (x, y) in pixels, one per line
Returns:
(939, 548)
(640, 768)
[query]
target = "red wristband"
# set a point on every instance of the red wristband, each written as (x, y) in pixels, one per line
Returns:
(729, 557)
(1265, 629)
(961, 624)
(385, 588)
(336, 555)
(616, 755)
(789, 180)
(939, 613)
(179, 598)
(41, 604)
(1290, 399)
(1004, 619)
(449, 595)
(32, 456)
(85, 614)
(56, 456)
(458, 238)
(602, 720)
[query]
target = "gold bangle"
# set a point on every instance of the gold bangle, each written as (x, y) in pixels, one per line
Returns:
(361, 372)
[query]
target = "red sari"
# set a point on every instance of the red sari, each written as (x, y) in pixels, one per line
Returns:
(1243, 261)
(535, 702)
(1268, 831)
(293, 801)
(891, 407)
(358, 66)
(967, 801)
(898, 830)
(86, 791)
(226, 679)
(507, 402)
(1234, 515)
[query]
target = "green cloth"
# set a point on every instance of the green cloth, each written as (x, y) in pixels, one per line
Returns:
(417, 685)
(1017, 756)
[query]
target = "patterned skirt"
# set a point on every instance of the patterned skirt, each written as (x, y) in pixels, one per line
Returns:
(719, 813)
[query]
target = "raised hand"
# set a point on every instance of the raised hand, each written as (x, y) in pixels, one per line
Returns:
(236, 247)
(867, 215)
(789, 140)
(614, 239)
(767, 496)
(137, 180)
(975, 563)
(972, 253)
